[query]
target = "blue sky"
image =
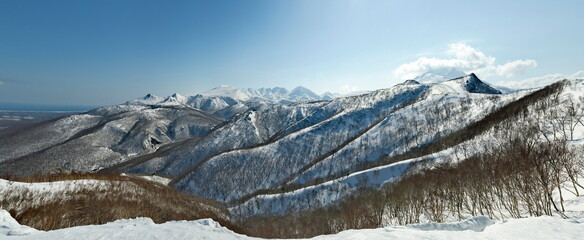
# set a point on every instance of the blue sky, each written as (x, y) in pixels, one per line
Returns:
(107, 52)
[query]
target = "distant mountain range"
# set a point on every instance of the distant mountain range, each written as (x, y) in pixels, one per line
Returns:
(272, 151)
(226, 101)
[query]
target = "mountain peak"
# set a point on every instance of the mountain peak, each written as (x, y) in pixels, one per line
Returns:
(303, 94)
(411, 82)
(146, 100)
(473, 84)
(228, 91)
(175, 99)
(301, 89)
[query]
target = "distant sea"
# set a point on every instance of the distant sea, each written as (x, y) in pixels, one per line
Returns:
(44, 108)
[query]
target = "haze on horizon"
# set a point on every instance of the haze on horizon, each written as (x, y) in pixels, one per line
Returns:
(107, 52)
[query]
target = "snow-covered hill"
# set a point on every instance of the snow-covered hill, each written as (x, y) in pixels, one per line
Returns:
(76, 200)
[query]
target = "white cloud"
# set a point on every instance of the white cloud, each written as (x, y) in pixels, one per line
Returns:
(517, 67)
(465, 58)
(541, 81)
(348, 88)
(1, 83)
(468, 57)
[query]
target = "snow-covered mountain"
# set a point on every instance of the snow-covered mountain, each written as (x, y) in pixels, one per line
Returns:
(290, 143)
(281, 139)
(149, 99)
(228, 91)
(470, 83)
(271, 158)
(225, 101)
(270, 95)
(354, 130)
(100, 138)
(440, 75)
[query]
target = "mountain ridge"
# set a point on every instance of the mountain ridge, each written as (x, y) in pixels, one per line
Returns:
(264, 149)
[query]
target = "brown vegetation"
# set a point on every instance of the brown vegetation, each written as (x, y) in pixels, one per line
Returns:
(113, 197)
(514, 180)
(362, 210)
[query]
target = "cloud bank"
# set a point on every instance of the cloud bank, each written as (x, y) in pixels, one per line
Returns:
(465, 58)
(541, 81)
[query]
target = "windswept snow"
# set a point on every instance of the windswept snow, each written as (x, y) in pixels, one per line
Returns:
(146, 229)
(10, 227)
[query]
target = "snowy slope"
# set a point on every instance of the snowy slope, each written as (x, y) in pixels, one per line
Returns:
(241, 132)
(66, 203)
(329, 192)
(10, 227)
(315, 148)
(275, 160)
(363, 129)
(99, 138)
(146, 229)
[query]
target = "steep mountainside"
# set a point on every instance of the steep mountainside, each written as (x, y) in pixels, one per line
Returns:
(554, 113)
(363, 130)
(278, 146)
(99, 138)
(272, 158)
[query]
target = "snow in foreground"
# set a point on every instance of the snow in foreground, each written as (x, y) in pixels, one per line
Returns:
(145, 229)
